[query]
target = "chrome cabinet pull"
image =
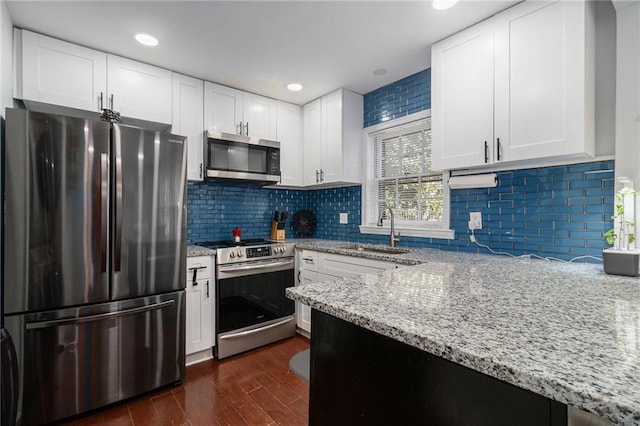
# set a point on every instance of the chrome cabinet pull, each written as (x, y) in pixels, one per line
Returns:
(111, 99)
(200, 170)
(100, 108)
(299, 272)
(498, 143)
(321, 175)
(486, 152)
(317, 174)
(246, 129)
(240, 128)
(207, 289)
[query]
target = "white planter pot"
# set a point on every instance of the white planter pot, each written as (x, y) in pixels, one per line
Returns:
(621, 262)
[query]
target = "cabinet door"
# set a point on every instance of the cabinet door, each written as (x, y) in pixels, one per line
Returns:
(312, 140)
(61, 73)
(290, 137)
(188, 120)
(462, 98)
(200, 302)
(260, 116)
(332, 137)
(540, 81)
(304, 311)
(199, 335)
(139, 90)
(223, 108)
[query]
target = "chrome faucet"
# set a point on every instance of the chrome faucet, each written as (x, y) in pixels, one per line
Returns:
(393, 237)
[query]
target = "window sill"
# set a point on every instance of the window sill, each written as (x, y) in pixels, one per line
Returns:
(445, 234)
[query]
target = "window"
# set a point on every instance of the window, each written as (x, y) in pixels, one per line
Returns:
(398, 175)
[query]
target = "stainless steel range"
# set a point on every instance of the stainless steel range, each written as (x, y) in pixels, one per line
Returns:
(251, 307)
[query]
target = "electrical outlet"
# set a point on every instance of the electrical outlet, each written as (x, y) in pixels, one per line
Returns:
(344, 218)
(475, 220)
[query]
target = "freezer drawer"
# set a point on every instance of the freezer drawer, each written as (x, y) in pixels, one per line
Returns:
(75, 360)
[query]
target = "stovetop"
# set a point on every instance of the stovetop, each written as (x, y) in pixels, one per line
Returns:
(228, 243)
(249, 250)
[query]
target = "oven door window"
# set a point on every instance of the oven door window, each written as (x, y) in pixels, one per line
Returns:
(253, 299)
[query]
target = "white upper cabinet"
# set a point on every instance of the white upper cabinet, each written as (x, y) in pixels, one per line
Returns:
(233, 111)
(138, 90)
(60, 73)
(222, 108)
(517, 87)
(462, 98)
(332, 138)
(312, 137)
(188, 120)
(289, 134)
(55, 72)
(260, 116)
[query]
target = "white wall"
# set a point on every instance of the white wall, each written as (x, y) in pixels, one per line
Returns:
(6, 83)
(627, 130)
(6, 68)
(605, 77)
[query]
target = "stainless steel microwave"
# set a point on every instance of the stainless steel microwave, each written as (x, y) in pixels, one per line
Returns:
(229, 156)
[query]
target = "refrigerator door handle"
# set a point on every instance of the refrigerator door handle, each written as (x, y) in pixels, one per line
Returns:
(104, 194)
(118, 236)
(99, 317)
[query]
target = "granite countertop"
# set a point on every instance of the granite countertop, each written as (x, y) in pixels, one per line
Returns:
(565, 331)
(193, 250)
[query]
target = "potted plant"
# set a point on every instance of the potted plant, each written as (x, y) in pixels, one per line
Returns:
(623, 258)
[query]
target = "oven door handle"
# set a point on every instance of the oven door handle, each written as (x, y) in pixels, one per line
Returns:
(255, 330)
(255, 267)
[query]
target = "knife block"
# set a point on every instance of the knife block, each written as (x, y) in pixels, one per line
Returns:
(276, 234)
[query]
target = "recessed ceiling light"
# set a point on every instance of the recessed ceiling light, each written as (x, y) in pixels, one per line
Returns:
(443, 4)
(294, 87)
(380, 71)
(146, 39)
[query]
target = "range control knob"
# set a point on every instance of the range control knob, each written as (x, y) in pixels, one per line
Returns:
(240, 253)
(232, 254)
(283, 249)
(276, 249)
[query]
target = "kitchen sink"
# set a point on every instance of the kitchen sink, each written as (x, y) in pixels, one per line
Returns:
(375, 249)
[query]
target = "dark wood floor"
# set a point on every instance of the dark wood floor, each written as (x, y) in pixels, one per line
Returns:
(254, 388)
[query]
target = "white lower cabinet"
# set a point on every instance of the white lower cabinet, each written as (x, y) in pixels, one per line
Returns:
(200, 304)
(319, 266)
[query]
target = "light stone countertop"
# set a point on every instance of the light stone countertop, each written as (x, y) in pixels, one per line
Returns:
(194, 250)
(565, 331)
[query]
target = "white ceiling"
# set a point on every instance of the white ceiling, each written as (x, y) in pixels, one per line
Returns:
(260, 46)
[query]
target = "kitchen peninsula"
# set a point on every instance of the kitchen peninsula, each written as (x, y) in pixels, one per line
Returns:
(549, 334)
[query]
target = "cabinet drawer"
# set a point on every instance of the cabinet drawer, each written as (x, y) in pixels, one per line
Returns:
(309, 260)
(348, 266)
(200, 265)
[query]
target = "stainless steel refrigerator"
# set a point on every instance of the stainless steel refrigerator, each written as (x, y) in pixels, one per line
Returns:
(95, 258)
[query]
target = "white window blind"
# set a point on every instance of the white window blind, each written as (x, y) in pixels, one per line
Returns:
(399, 176)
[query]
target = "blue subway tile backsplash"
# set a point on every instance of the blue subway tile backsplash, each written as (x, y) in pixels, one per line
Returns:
(407, 96)
(529, 212)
